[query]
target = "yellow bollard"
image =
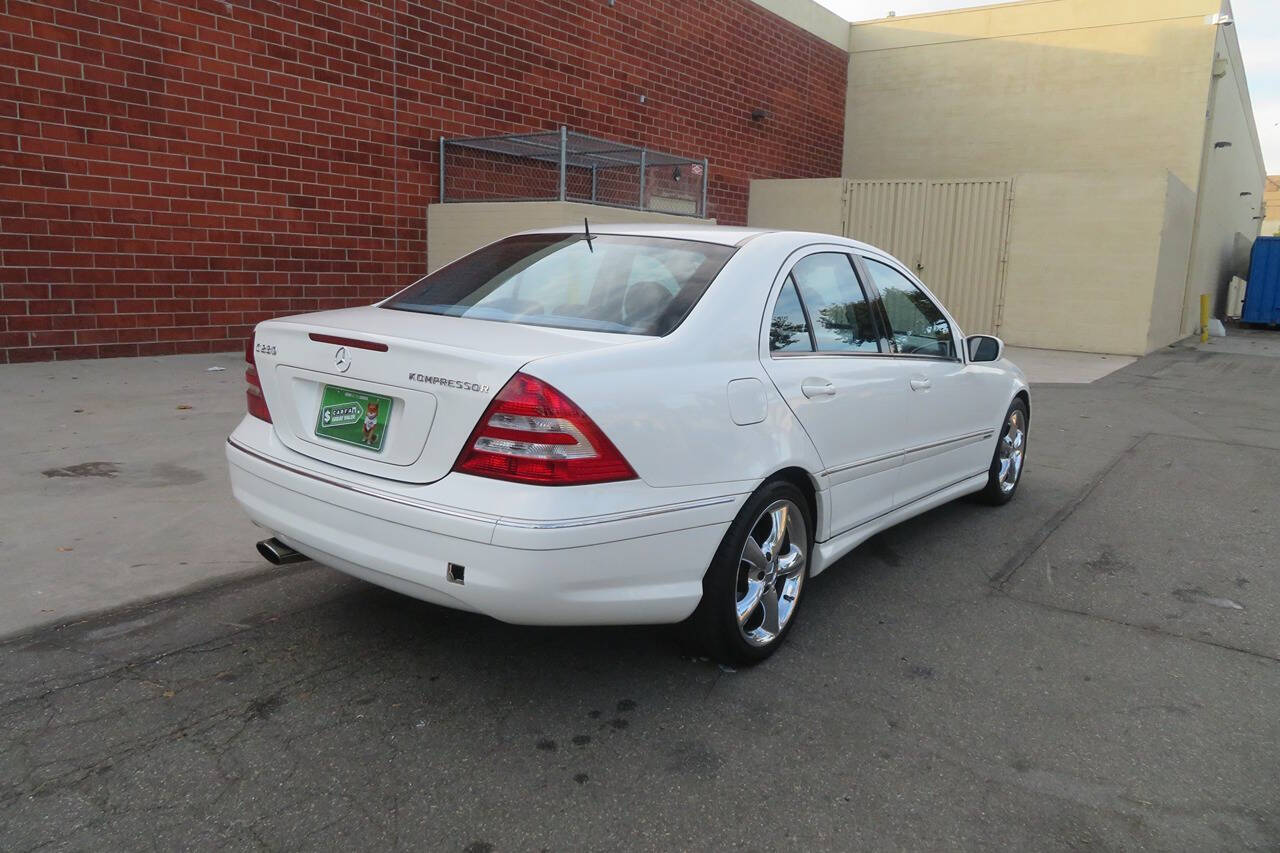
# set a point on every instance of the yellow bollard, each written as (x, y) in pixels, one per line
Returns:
(1204, 318)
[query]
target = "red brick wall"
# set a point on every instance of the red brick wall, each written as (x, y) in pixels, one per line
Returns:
(173, 172)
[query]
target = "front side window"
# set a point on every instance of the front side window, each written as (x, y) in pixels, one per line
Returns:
(838, 309)
(916, 325)
(611, 283)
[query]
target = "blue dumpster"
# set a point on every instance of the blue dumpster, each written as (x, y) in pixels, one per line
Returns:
(1262, 296)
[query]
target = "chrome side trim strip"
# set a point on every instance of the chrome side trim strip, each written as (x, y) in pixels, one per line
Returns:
(981, 435)
(925, 451)
(783, 354)
(884, 465)
(521, 523)
(873, 460)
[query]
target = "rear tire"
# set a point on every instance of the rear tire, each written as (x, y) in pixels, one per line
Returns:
(1009, 459)
(751, 592)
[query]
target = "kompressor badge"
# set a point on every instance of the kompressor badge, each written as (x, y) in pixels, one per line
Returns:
(427, 379)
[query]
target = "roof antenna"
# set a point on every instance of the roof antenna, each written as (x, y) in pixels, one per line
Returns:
(587, 229)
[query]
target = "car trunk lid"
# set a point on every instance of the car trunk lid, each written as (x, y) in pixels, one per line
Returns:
(435, 374)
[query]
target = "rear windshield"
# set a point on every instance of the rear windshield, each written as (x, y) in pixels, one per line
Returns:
(608, 283)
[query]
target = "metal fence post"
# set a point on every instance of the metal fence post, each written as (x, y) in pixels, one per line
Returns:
(706, 175)
(442, 170)
(593, 183)
(564, 148)
(644, 157)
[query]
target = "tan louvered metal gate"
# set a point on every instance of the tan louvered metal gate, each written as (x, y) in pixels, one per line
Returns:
(954, 234)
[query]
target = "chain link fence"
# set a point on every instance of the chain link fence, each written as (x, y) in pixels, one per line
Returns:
(567, 166)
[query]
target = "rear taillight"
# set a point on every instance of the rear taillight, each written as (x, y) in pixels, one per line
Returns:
(257, 404)
(531, 433)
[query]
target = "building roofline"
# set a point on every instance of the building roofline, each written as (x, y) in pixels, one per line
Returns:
(944, 12)
(1210, 7)
(1236, 60)
(813, 18)
(1022, 19)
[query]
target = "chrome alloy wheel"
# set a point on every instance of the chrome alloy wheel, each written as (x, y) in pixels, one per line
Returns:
(771, 572)
(1013, 446)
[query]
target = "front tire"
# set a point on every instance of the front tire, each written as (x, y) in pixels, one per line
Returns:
(1009, 458)
(751, 591)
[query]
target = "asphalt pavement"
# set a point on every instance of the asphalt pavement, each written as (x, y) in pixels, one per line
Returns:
(1094, 666)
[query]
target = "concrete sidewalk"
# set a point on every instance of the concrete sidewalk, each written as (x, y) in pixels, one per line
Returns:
(114, 487)
(1052, 366)
(117, 490)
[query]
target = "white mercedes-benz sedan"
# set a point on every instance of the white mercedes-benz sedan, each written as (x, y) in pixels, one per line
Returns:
(623, 425)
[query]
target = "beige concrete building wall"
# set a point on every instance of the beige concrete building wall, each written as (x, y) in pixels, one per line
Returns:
(1106, 249)
(454, 229)
(1271, 200)
(1124, 210)
(1089, 104)
(1083, 253)
(1171, 266)
(1228, 171)
(1056, 85)
(802, 204)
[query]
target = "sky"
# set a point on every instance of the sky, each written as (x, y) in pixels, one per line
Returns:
(1257, 27)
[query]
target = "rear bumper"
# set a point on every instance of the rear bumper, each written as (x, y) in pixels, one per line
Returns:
(616, 566)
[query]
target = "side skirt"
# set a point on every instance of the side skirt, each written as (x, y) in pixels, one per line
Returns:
(826, 553)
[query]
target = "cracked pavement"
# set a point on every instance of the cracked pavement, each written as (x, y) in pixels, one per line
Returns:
(1096, 665)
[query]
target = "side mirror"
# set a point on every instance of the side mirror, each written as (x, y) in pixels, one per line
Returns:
(984, 347)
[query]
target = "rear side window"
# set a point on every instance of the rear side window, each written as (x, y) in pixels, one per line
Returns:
(838, 309)
(610, 283)
(789, 328)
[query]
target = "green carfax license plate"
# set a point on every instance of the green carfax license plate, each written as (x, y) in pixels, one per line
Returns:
(354, 417)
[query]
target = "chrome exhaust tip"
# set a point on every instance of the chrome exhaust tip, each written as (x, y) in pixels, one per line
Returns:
(277, 553)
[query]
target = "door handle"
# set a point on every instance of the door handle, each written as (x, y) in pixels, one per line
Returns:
(817, 388)
(920, 383)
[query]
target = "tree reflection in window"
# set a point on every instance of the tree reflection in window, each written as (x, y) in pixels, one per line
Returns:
(917, 324)
(785, 334)
(848, 323)
(788, 330)
(837, 306)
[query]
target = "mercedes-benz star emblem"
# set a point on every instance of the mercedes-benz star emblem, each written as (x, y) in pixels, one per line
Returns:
(341, 360)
